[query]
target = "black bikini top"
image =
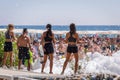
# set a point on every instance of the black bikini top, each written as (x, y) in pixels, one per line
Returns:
(7, 35)
(71, 38)
(47, 38)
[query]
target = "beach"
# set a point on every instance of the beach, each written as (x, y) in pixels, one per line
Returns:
(93, 62)
(59, 40)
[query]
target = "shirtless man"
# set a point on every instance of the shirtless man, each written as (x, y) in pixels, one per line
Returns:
(23, 44)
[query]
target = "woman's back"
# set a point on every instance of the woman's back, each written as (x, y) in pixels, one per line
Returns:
(47, 37)
(72, 37)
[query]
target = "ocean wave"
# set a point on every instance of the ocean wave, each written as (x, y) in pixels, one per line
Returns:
(64, 32)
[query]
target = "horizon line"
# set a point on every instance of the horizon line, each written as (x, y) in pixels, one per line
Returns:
(63, 24)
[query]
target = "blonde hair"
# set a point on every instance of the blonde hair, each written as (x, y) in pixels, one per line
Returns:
(10, 26)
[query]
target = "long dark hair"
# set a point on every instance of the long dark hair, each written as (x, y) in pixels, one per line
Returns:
(49, 31)
(72, 28)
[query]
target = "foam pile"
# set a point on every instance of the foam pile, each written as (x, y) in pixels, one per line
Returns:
(94, 63)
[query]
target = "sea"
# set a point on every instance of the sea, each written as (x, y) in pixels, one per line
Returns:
(66, 28)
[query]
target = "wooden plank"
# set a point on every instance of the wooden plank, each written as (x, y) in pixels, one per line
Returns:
(4, 77)
(17, 74)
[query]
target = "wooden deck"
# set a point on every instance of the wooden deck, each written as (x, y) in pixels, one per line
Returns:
(6, 74)
(25, 75)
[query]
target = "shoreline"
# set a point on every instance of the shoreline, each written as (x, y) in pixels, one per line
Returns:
(64, 32)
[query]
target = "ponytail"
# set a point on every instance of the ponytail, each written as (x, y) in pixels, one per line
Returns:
(72, 28)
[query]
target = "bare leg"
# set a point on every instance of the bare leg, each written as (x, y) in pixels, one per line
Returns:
(28, 68)
(66, 62)
(11, 59)
(51, 62)
(76, 62)
(5, 58)
(43, 65)
(19, 64)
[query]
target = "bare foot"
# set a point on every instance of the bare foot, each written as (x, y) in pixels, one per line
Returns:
(43, 72)
(62, 73)
(50, 72)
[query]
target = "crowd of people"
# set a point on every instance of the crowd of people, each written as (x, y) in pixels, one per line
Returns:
(72, 46)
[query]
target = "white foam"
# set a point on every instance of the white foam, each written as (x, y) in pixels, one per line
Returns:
(64, 32)
(97, 63)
